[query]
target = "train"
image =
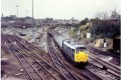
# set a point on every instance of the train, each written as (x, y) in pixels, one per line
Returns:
(75, 52)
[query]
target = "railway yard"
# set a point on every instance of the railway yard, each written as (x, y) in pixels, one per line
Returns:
(27, 56)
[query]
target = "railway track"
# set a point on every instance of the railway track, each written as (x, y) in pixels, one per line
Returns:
(114, 54)
(57, 62)
(32, 48)
(37, 54)
(84, 73)
(69, 77)
(91, 73)
(103, 54)
(51, 63)
(23, 61)
(111, 68)
(48, 69)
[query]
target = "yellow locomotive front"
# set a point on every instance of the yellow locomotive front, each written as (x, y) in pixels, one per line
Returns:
(80, 55)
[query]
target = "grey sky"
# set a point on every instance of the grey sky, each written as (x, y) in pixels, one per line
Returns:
(59, 9)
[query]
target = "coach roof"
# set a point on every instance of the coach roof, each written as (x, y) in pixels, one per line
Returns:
(72, 44)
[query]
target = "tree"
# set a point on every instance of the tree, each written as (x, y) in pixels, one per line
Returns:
(114, 15)
(98, 15)
(102, 15)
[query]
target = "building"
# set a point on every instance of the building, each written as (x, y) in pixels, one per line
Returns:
(17, 22)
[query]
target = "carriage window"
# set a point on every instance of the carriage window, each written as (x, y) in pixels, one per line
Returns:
(72, 50)
(82, 48)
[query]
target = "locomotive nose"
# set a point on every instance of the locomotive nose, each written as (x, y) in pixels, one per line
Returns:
(81, 57)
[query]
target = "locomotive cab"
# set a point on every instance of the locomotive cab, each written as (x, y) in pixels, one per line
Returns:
(75, 52)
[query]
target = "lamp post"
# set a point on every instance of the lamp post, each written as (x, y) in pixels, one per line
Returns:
(33, 18)
(32, 13)
(32, 9)
(26, 13)
(17, 9)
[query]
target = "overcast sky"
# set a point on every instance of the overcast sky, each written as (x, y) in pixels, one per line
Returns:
(59, 9)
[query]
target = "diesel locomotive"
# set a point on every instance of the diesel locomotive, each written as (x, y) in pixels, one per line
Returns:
(76, 52)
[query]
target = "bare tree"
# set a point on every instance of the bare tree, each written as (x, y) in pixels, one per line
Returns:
(114, 15)
(102, 15)
(105, 16)
(98, 15)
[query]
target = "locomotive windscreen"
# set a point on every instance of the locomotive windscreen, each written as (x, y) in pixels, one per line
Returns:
(78, 49)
